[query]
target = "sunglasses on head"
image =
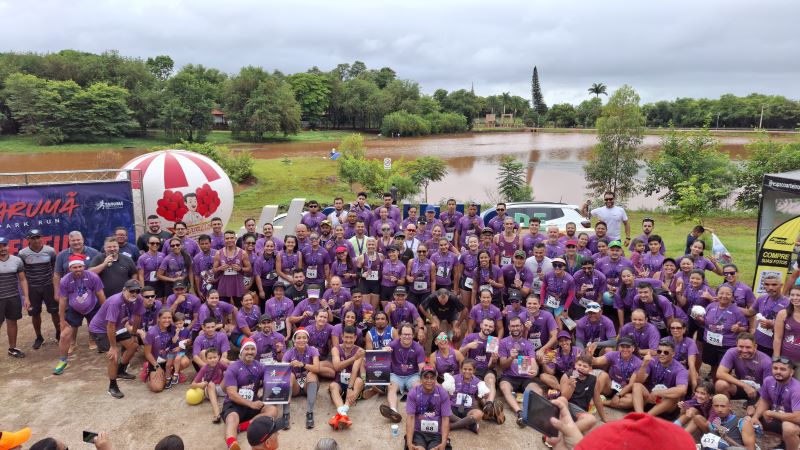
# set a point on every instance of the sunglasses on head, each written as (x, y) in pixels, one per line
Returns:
(782, 359)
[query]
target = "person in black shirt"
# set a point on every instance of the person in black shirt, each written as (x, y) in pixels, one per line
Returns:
(298, 291)
(578, 387)
(153, 229)
(444, 311)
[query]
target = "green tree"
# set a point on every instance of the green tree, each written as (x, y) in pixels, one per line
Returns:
(463, 102)
(695, 200)
(588, 111)
(405, 124)
(766, 156)
(614, 162)
(562, 115)
(271, 109)
(312, 93)
(511, 181)
(96, 112)
(369, 174)
(37, 106)
(188, 100)
(161, 66)
(597, 89)
(537, 99)
(689, 155)
(423, 171)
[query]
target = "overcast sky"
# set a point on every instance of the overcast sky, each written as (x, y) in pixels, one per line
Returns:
(667, 49)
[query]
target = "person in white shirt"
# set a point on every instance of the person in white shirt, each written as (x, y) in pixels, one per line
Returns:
(539, 264)
(613, 216)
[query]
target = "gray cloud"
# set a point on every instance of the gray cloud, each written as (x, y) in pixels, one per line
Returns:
(663, 49)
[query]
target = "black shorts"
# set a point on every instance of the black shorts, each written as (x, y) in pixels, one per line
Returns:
(370, 286)
(417, 298)
(39, 295)
(712, 354)
(103, 344)
(428, 440)
(387, 293)
(10, 308)
(481, 373)
(244, 412)
(574, 410)
(518, 384)
(75, 319)
(462, 285)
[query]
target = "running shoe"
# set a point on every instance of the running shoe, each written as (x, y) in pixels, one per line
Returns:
(37, 343)
(286, 423)
(344, 422)
(391, 414)
(16, 353)
(334, 422)
(123, 375)
(488, 411)
(309, 420)
(520, 420)
(499, 414)
(475, 427)
(60, 367)
(115, 392)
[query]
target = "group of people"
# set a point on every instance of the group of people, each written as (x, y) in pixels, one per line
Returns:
(474, 315)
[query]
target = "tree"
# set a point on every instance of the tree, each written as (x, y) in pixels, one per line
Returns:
(463, 102)
(97, 111)
(588, 111)
(597, 89)
(272, 109)
(537, 99)
(766, 156)
(511, 181)
(614, 162)
(161, 66)
(37, 106)
(562, 115)
(694, 155)
(313, 95)
(188, 100)
(695, 200)
(425, 170)
(354, 168)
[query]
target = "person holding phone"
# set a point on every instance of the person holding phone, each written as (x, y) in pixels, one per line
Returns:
(580, 388)
(476, 348)
(428, 414)
(518, 362)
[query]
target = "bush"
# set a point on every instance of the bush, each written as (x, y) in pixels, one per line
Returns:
(405, 124)
(447, 122)
(238, 165)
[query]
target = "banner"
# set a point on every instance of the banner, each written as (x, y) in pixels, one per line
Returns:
(378, 367)
(277, 383)
(94, 209)
(777, 254)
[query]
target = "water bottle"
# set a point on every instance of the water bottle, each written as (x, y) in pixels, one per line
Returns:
(395, 430)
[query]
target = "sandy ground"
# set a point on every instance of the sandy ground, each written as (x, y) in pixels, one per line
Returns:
(63, 406)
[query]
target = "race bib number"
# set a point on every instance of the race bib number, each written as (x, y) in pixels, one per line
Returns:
(280, 325)
(246, 393)
(160, 360)
(267, 358)
(583, 301)
(344, 377)
(153, 276)
(420, 285)
(429, 426)
(442, 271)
(301, 382)
(449, 236)
(468, 283)
(714, 338)
(464, 400)
(246, 281)
(372, 275)
(710, 441)
(311, 272)
(616, 386)
(505, 260)
(552, 302)
(230, 271)
(486, 286)
(121, 331)
(766, 331)
(536, 342)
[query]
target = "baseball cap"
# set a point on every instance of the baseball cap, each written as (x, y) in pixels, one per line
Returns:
(133, 285)
(626, 340)
(280, 286)
(179, 285)
(392, 248)
(35, 232)
(558, 260)
(400, 234)
(487, 230)
(616, 243)
(520, 254)
(430, 208)
(11, 439)
(593, 307)
(265, 318)
(514, 296)
(262, 428)
(572, 242)
(564, 334)
(3, 240)
(401, 290)
(428, 369)
(341, 249)
(313, 291)
(325, 222)
(638, 430)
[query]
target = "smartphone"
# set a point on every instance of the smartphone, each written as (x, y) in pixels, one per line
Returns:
(88, 437)
(537, 411)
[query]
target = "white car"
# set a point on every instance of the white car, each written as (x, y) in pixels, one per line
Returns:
(549, 213)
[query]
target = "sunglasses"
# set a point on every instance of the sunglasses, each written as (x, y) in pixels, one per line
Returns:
(729, 274)
(175, 245)
(154, 243)
(148, 296)
(250, 242)
(675, 328)
(180, 229)
(385, 229)
(782, 359)
(409, 230)
(571, 246)
(500, 210)
(422, 251)
(608, 199)
(559, 266)
(314, 238)
(663, 352)
(135, 291)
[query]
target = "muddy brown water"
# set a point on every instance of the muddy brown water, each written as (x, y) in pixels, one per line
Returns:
(554, 161)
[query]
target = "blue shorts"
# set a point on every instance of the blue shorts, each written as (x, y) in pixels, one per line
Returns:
(405, 382)
(75, 319)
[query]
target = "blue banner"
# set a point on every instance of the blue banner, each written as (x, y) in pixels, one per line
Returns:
(94, 209)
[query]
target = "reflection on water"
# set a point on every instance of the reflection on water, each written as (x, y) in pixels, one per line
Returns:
(554, 161)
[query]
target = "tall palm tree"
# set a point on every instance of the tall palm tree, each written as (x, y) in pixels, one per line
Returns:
(597, 89)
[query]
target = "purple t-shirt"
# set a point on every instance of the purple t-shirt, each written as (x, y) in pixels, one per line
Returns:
(468, 390)
(785, 397)
(188, 307)
(445, 264)
(174, 266)
(565, 363)
(541, 326)
(149, 264)
(558, 287)
(213, 374)
(683, 350)
(448, 364)
(262, 241)
(118, 311)
(406, 361)
(81, 292)
(247, 319)
(217, 240)
(279, 310)
(266, 344)
(219, 341)
(219, 313)
(189, 246)
(524, 348)
(645, 339)
(320, 338)
(620, 370)
(336, 299)
(479, 354)
(769, 308)
(511, 273)
(597, 280)
(554, 250)
(468, 226)
(428, 409)
(307, 357)
(315, 260)
(658, 311)
(613, 269)
(757, 369)
(718, 321)
(312, 220)
(159, 341)
(673, 375)
(203, 264)
(652, 263)
(303, 306)
(742, 294)
(478, 313)
(701, 263)
(529, 241)
(587, 331)
(469, 263)
(150, 315)
(392, 269)
(244, 377)
(405, 313)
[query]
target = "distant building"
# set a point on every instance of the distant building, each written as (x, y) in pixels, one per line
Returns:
(219, 118)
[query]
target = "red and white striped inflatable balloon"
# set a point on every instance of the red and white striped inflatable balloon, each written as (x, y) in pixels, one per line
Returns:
(179, 185)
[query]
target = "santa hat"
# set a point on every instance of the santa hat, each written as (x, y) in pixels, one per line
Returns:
(76, 259)
(247, 342)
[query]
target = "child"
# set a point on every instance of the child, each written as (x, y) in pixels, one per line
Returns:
(209, 379)
(637, 258)
(177, 359)
(699, 405)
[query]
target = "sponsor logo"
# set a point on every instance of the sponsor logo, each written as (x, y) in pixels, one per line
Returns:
(104, 205)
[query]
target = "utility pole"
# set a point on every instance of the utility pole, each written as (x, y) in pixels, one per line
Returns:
(761, 118)
(718, 121)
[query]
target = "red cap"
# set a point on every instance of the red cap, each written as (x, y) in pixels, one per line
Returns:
(341, 249)
(637, 431)
(572, 242)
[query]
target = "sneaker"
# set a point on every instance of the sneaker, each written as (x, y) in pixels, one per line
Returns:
(344, 422)
(499, 414)
(122, 375)
(488, 411)
(16, 353)
(334, 422)
(143, 372)
(60, 367)
(115, 392)
(37, 344)
(391, 414)
(181, 378)
(309, 420)
(544, 441)
(520, 420)
(475, 427)
(168, 384)
(286, 423)
(235, 446)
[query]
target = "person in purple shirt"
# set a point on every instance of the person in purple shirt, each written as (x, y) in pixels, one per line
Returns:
(222, 312)
(428, 413)
(485, 310)
(391, 208)
(157, 343)
(115, 322)
(514, 308)
(695, 293)
(303, 313)
(701, 262)
(242, 381)
(338, 241)
(778, 408)
(469, 225)
(594, 327)
(450, 218)
(553, 247)
(188, 244)
(188, 304)
(533, 237)
(612, 265)
(558, 291)
(765, 309)
(685, 349)
(319, 337)
(653, 259)
(408, 357)
(617, 379)
(364, 312)
(647, 233)
(402, 311)
(445, 262)
(336, 296)
(268, 231)
(344, 268)
(280, 307)
(506, 243)
(722, 322)
(210, 338)
(488, 276)
(393, 274)
(496, 222)
(517, 276)
(600, 234)
(742, 293)
(265, 272)
(203, 267)
(148, 265)
(569, 233)
(590, 284)
(518, 362)
(644, 334)
(217, 236)
(540, 326)
(465, 272)
(559, 361)
(474, 347)
(662, 381)
(313, 217)
(151, 310)
(446, 359)
(317, 261)
(382, 220)
(787, 328)
(742, 371)
(246, 319)
(80, 294)
(420, 276)
(657, 308)
(305, 364)
(465, 399)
